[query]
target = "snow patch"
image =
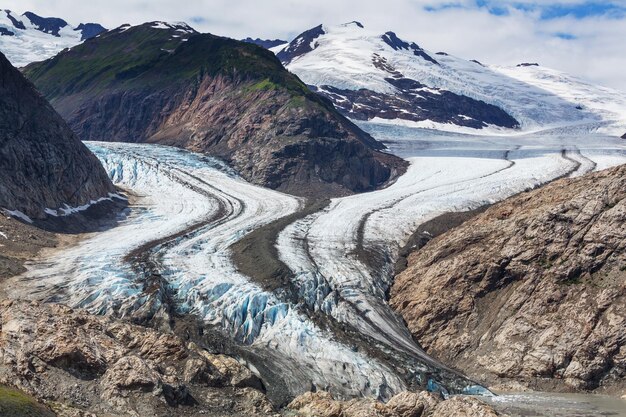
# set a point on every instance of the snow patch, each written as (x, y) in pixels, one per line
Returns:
(161, 25)
(67, 210)
(18, 214)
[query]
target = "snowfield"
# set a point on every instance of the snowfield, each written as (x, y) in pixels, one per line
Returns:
(343, 57)
(30, 44)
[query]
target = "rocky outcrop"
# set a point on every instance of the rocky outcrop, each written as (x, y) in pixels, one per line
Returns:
(70, 359)
(415, 102)
(265, 43)
(89, 30)
(391, 39)
(624, 136)
(532, 290)
(42, 163)
(404, 404)
(170, 85)
(303, 44)
(51, 25)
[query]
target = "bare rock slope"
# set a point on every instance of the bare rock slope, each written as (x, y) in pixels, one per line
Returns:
(533, 289)
(42, 162)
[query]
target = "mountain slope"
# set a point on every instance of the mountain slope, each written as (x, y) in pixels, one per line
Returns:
(372, 75)
(531, 290)
(165, 83)
(42, 163)
(29, 37)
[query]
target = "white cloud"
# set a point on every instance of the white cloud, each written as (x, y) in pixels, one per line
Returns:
(596, 53)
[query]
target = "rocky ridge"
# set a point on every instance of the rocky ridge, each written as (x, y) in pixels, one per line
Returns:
(532, 291)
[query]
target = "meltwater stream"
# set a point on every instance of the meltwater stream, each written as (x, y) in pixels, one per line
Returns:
(188, 210)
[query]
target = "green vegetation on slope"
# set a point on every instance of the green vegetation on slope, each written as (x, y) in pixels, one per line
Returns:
(143, 57)
(15, 403)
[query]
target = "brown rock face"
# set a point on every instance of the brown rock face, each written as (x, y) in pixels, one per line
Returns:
(405, 404)
(42, 163)
(303, 149)
(533, 289)
(109, 367)
(464, 407)
(217, 96)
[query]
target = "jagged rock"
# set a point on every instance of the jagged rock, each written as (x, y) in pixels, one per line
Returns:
(366, 407)
(42, 163)
(405, 404)
(316, 404)
(624, 136)
(200, 371)
(233, 372)
(73, 360)
(412, 404)
(464, 407)
(533, 289)
(130, 373)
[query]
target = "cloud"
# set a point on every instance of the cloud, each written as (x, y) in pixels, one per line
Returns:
(584, 38)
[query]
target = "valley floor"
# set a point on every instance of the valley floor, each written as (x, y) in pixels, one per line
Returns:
(329, 325)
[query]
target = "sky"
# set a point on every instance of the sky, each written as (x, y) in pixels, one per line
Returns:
(584, 38)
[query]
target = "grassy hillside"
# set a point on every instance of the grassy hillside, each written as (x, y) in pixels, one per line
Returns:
(15, 403)
(145, 57)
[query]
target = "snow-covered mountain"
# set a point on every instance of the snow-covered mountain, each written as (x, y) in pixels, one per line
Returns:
(29, 37)
(374, 76)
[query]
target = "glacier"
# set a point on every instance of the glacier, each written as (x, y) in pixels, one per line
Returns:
(170, 191)
(187, 210)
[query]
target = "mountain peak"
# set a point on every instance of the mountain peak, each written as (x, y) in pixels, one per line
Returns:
(51, 25)
(18, 24)
(181, 26)
(21, 37)
(301, 45)
(90, 30)
(354, 23)
(391, 39)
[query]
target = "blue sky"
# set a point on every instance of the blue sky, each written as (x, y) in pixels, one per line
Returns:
(585, 38)
(543, 10)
